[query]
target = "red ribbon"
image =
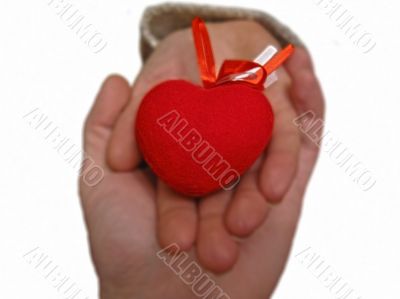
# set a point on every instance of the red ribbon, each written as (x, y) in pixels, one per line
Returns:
(248, 72)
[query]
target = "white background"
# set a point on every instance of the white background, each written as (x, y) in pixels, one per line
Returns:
(43, 64)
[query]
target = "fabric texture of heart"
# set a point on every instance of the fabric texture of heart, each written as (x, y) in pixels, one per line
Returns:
(200, 140)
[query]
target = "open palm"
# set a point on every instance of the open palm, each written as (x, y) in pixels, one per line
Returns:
(129, 213)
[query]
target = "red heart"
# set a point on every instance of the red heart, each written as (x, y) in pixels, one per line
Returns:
(200, 140)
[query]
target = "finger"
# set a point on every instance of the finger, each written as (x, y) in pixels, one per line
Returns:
(305, 91)
(216, 248)
(124, 154)
(248, 208)
(110, 101)
(309, 102)
(177, 218)
(279, 167)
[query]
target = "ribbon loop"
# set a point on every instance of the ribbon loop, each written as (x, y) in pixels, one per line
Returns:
(205, 56)
(242, 71)
(231, 71)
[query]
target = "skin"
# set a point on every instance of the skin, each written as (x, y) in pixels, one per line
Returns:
(241, 237)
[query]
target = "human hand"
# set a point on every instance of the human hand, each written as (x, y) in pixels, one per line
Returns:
(125, 210)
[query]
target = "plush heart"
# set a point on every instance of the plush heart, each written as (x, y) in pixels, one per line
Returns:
(199, 140)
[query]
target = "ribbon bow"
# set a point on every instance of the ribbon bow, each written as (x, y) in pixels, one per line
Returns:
(248, 72)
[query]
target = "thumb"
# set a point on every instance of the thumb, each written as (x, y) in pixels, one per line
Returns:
(165, 64)
(109, 103)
